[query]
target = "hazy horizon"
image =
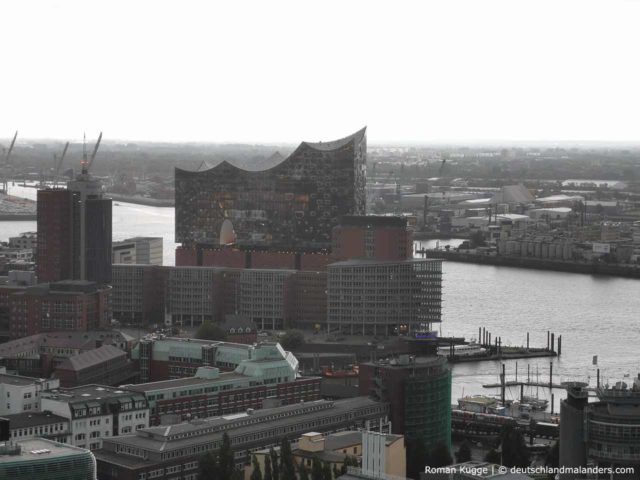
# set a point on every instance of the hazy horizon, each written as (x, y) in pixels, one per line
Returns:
(415, 72)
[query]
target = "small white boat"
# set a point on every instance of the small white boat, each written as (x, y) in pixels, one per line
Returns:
(462, 350)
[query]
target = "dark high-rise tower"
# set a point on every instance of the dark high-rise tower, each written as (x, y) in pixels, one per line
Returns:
(75, 230)
(58, 233)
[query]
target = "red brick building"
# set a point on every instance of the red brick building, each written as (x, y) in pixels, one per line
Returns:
(69, 305)
(378, 237)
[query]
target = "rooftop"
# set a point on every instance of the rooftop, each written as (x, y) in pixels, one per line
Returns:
(18, 380)
(22, 420)
(40, 448)
(371, 261)
(182, 435)
(91, 358)
(87, 392)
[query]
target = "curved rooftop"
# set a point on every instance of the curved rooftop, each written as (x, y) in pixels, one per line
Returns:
(319, 146)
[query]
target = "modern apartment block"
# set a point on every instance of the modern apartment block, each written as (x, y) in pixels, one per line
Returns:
(269, 374)
(171, 452)
(375, 297)
(72, 305)
(293, 204)
(96, 412)
(419, 391)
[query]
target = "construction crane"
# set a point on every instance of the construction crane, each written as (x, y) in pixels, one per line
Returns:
(13, 142)
(87, 165)
(59, 164)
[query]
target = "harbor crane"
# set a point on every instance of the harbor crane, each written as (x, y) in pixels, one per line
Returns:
(59, 164)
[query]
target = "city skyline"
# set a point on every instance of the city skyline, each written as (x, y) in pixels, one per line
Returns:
(226, 73)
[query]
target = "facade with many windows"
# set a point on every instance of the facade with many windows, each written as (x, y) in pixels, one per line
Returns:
(96, 412)
(373, 297)
(293, 204)
(171, 452)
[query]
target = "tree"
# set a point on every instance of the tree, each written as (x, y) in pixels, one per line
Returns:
(208, 467)
(493, 456)
(440, 456)
(552, 459)
(257, 473)
(417, 456)
(349, 461)
(303, 472)
(514, 448)
(292, 340)
(326, 471)
(275, 469)
(211, 331)
(226, 461)
(268, 472)
(464, 452)
(287, 464)
(316, 469)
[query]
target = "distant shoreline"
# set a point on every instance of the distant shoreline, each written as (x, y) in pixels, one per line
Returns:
(150, 202)
(18, 217)
(538, 264)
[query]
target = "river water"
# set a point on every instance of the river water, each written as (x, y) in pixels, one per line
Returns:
(596, 315)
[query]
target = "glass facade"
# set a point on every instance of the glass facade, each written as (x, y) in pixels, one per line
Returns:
(428, 406)
(294, 204)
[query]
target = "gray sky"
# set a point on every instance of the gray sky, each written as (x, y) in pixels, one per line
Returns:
(284, 71)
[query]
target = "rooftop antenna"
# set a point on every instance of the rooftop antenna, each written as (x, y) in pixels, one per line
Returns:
(83, 163)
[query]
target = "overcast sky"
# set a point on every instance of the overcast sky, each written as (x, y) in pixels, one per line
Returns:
(276, 71)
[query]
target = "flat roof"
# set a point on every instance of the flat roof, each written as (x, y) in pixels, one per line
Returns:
(370, 261)
(87, 393)
(18, 380)
(46, 448)
(22, 420)
(182, 382)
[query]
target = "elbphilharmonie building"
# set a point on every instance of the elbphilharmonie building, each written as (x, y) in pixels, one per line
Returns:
(294, 204)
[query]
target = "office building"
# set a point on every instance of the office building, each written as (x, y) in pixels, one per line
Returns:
(30, 425)
(138, 251)
(58, 235)
(165, 358)
(293, 204)
(96, 412)
(168, 452)
(376, 297)
(74, 232)
(268, 373)
(26, 240)
(380, 453)
(377, 237)
(138, 295)
(419, 391)
(38, 355)
(73, 305)
(106, 365)
(42, 459)
(22, 394)
(605, 433)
